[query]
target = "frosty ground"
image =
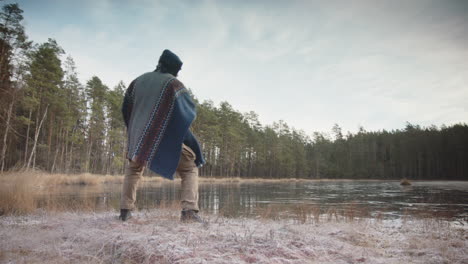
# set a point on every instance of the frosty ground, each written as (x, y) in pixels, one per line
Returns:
(156, 236)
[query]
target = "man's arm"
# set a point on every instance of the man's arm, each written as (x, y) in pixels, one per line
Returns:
(127, 104)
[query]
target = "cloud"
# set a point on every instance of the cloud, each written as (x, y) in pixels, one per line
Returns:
(310, 63)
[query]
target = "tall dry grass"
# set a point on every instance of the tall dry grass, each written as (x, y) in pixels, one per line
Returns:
(19, 191)
(17, 196)
(40, 179)
(24, 192)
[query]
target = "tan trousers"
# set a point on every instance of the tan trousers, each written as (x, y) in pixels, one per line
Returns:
(187, 170)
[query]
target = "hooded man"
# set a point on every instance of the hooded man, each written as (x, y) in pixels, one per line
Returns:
(158, 112)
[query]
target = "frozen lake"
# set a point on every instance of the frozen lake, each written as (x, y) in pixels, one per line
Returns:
(382, 199)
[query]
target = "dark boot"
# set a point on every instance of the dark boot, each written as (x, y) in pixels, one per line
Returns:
(125, 214)
(190, 216)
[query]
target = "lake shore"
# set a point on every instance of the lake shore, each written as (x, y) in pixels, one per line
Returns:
(157, 236)
(39, 178)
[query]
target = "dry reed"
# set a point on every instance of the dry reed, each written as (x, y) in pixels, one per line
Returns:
(405, 182)
(46, 179)
(23, 192)
(17, 197)
(41, 179)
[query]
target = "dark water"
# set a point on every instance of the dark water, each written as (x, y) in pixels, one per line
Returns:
(448, 200)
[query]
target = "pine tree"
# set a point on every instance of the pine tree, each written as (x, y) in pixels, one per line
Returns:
(116, 131)
(96, 93)
(13, 44)
(45, 94)
(73, 143)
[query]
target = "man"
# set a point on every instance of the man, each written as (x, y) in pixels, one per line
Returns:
(158, 112)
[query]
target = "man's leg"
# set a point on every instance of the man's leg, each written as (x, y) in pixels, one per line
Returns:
(129, 189)
(188, 173)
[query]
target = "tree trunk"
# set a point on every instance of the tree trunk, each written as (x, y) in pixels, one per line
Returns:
(36, 137)
(88, 158)
(27, 138)
(49, 137)
(35, 132)
(55, 159)
(64, 150)
(70, 159)
(110, 159)
(5, 136)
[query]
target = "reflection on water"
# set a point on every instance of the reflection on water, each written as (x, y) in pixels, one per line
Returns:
(386, 199)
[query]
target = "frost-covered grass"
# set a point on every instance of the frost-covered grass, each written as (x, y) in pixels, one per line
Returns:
(157, 236)
(19, 190)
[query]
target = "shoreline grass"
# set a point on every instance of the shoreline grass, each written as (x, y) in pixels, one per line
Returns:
(39, 178)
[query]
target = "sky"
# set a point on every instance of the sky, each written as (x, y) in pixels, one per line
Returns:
(313, 64)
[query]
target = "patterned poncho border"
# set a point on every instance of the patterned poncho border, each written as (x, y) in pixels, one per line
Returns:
(158, 112)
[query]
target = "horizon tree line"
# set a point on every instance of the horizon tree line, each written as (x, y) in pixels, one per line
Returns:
(50, 121)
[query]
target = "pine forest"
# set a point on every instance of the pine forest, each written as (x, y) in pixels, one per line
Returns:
(51, 121)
